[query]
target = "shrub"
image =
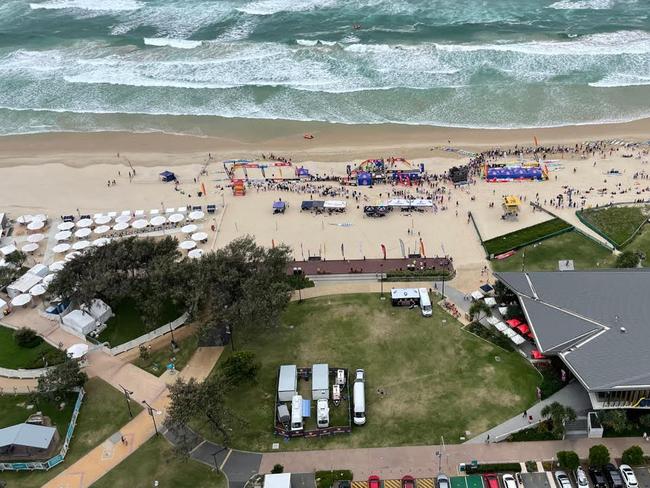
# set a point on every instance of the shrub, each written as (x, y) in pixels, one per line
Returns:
(326, 479)
(616, 420)
(644, 420)
(568, 460)
(277, 468)
(26, 337)
(52, 358)
(633, 455)
(487, 334)
(241, 366)
(144, 352)
(493, 468)
(598, 455)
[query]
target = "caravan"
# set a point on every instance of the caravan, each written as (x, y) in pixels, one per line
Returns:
(322, 414)
(359, 398)
(425, 303)
(296, 413)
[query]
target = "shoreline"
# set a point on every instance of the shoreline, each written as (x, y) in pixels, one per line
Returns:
(249, 138)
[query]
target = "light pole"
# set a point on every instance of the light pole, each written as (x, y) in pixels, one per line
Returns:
(151, 413)
(381, 280)
(214, 457)
(171, 329)
(127, 398)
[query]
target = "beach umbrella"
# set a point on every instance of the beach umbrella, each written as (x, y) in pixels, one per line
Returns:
(40, 217)
(199, 236)
(139, 224)
(36, 237)
(61, 248)
(64, 235)
(77, 351)
(102, 241)
(121, 226)
(139, 213)
(38, 290)
(196, 215)
(71, 255)
(176, 218)
(126, 212)
(8, 249)
(35, 225)
(112, 214)
(158, 220)
(24, 219)
(189, 229)
(21, 300)
(81, 245)
(195, 253)
(123, 218)
(57, 266)
(102, 220)
(82, 233)
(29, 248)
(84, 223)
(102, 229)
(65, 225)
(187, 245)
(47, 280)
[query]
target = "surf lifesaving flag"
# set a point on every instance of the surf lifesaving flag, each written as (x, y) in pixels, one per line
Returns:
(535, 140)
(424, 254)
(383, 250)
(342, 251)
(203, 188)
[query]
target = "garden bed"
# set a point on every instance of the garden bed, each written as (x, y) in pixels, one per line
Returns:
(526, 236)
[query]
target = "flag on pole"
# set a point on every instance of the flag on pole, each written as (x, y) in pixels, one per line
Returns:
(401, 245)
(342, 251)
(273, 243)
(535, 140)
(203, 188)
(424, 254)
(383, 250)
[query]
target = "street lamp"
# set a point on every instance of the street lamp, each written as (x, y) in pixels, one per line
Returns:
(381, 280)
(151, 413)
(214, 457)
(171, 329)
(127, 398)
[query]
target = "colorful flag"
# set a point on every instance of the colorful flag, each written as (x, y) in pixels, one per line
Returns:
(401, 245)
(203, 189)
(535, 140)
(424, 254)
(383, 250)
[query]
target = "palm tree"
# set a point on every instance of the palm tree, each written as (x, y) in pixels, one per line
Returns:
(559, 414)
(479, 310)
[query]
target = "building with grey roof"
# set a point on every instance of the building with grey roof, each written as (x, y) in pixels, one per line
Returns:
(27, 441)
(598, 323)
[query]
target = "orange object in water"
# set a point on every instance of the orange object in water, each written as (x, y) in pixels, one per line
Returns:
(308, 136)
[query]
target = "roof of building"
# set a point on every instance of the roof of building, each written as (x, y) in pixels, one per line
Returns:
(598, 321)
(36, 436)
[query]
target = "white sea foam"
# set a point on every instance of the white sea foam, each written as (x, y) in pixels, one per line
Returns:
(582, 4)
(621, 80)
(270, 7)
(177, 43)
(93, 5)
(315, 42)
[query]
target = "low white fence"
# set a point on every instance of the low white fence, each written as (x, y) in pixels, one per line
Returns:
(160, 331)
(23, 374)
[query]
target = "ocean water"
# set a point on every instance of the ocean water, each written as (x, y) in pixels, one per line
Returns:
(144, 64)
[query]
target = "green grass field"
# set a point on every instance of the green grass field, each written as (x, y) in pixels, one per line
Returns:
(13, 356)
(516, 239)
(102, 414)
(544, 256)
(158, 360)
(14, 410)
(156, 460)
(127, 324)
(438, 379)
(618, 223)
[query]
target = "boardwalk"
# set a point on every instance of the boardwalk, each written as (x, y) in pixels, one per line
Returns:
(345, 266)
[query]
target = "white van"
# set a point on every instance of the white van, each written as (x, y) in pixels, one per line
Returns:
(296, 413)
(359, 398)
(322, 413)
(425, 303)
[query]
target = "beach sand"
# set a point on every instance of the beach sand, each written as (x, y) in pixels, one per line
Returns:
(57, 174)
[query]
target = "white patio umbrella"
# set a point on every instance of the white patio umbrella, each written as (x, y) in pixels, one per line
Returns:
(61, 248)
(199, 236)
(21, 300)
(82, 233)
(78, 246)
(84, 223)
(77, 351)
(176, 218)
(195, 253)
(47, 280)
(29, 248)
(65, 225)
(121, 226)
(25, 219)
(126, 212)
(187, 245)
(123, 218)
(71, 255)
(102, 241)
(35, 225)
(36, 237)
(189, 229)
(196, 215)
(57, 266)
(139, 224)
(38, 290)
(41, 217)
(158, 220)
(8, 249)
(102, 229)
(102, 220)
(112, 214)
(64, 235)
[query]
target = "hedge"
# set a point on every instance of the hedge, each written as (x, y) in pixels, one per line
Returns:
(526, 236)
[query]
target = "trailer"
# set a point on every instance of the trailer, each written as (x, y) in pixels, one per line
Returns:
(287, 382)
(322, 414)
(404, 297)
(283, 415)
(296, 413)
(320, 383)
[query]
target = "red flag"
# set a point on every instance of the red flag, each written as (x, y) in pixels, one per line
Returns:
(203, 188)
(342, 251)
(383, 250)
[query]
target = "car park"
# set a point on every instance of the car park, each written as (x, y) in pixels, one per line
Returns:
(628, 476)
(374, 481)
(509, 481)
(562, 479)
(442, 481)
(613, 475)
(581, 478)
(597, 477)
(490, 480)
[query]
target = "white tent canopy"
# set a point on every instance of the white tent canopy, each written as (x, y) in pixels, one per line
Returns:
(176, 218)
(38, 290)
(123, 218)
(122, 226)
(8, 249)
(71, 255)
(79, 321)
(102, 241)
(334, 204)
(39, 270)
(421, 202)
(77, 351)
(99, 310)
(102, 220)
(25, 219)
(21, 300)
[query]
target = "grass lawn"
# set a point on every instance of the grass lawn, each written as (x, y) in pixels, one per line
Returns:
(618, 223)
(127, 324)
(158, 359)
(102, 414)
(544, 256)
(14, 410)
(155, 460)
(13, 356)
(438, 379)
(516, 239)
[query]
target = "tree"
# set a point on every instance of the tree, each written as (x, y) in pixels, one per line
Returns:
(568, 460)
(616, 420)
(277, 468)
(16, 258)
(61, 378)
(479, 310)
(559, 415)
(240, 366)
(627, 259)
(633, 455)
(598, 455)
(644, 420)
(26, 337)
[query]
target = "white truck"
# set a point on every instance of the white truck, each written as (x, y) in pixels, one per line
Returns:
(296, 413)
(425, 303)
(322, 413)
(358, 393)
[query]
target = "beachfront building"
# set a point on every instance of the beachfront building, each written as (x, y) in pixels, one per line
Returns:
(597, 323)
(27, 442)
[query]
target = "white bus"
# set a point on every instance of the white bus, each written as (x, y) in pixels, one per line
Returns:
(425, 303)
(359, 399)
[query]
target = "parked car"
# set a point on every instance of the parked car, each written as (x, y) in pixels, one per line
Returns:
(374, 481)
(581, 476)
(408, 481)
(613, 475)
(442, 481)
(491, 480)
(509, 481)
(628, 476)
(597, 477)
(562, 479)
